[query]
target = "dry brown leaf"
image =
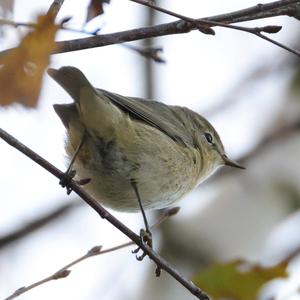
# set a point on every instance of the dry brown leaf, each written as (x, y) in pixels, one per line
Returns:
(95, 9)
(21, 70)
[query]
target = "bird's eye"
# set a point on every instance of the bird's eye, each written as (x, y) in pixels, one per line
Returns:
(209, 137)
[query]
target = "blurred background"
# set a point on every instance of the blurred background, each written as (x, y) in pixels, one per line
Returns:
(246, 87)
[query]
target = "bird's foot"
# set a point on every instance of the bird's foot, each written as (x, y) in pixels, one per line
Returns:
(66, 179)
(146, 239)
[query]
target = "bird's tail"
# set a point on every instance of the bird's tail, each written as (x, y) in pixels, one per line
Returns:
(71, 79)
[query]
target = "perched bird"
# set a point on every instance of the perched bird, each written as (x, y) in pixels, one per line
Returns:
(132, 145)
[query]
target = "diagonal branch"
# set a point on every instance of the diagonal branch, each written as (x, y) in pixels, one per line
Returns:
(30, 227)
(161, 263)
(95, 251)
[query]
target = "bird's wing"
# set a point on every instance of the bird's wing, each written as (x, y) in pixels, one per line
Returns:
(153, 113)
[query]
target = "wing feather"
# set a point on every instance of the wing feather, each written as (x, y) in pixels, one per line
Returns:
(156, 114)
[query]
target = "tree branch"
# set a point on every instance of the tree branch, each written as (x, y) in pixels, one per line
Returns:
(64, 272)
(152, 53)
(277, 8)
(200, 24)
(259, 11)
(161, 263)
(36, 224)
(96, 250)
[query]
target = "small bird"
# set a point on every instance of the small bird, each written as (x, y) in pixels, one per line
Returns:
(132, 147)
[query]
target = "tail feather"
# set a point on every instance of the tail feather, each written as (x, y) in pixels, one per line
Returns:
(91, 108)
(66, 113)
(71, 79)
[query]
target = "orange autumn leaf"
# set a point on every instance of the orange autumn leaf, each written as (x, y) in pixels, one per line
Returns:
(21, 69)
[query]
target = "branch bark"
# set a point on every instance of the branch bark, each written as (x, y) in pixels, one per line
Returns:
(96, 250)
(161, 263)
(205, 26)
(273, 9)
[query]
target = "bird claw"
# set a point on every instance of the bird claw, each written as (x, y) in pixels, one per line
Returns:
(146, 239)
(65, 180)
(67, 177)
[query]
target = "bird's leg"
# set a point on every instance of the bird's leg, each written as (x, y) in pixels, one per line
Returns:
(145, 234)
(69, 174)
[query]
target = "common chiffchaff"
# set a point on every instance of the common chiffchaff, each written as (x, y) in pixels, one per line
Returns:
(167, 150)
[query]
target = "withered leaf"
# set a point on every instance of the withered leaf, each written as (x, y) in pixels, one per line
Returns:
(21, 69)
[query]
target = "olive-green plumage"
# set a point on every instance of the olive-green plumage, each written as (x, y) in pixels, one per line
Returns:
(166, 150)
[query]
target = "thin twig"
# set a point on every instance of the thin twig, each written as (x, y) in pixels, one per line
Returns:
(64, 272)
(253, 30)
(260, 11)
(53, 11)
(103, 213)
(16, 24)
(202, 25)
(96, 250)
(148, 52)
(296, 52)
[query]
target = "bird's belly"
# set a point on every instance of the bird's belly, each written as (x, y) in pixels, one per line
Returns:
(160, 180)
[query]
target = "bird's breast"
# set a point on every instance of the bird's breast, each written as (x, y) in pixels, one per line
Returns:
(163, 170)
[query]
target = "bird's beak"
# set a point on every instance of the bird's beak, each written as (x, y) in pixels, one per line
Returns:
(229, 162)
